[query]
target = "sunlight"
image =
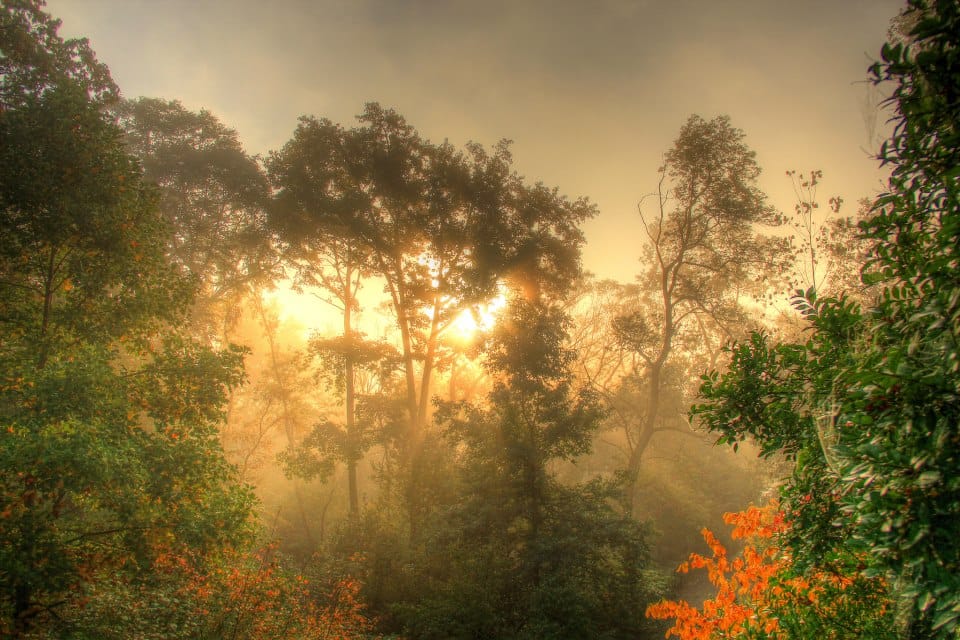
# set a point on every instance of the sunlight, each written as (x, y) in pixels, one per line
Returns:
(314, 314)
(305, 309)
(479, 319)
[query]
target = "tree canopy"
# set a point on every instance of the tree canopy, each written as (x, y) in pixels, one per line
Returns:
(867, 405)
(498, 485)
(109, 448)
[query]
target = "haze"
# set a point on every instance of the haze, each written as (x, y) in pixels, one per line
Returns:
(451, 320)
(591, 93)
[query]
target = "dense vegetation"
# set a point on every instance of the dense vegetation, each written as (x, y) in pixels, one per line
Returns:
(866, 405)
(476, 448)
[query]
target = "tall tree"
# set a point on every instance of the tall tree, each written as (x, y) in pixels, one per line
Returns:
(318, 194)
(109, 448)
(213, 197)
(867, 405)
(440, 228)
(703, 250)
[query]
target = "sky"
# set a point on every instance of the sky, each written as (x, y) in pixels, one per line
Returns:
(591, 92)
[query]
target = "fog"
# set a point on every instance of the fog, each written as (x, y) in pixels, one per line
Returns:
(591, 95)
(435, 320)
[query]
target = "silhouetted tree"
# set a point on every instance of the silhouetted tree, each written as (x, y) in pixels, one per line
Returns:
(442, 229)
(705, 255)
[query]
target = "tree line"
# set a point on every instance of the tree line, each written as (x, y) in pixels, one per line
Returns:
(137, 236)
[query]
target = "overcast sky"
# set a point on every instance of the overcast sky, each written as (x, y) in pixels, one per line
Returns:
(592, 92)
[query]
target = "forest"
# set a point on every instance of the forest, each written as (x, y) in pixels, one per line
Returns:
(758, 437)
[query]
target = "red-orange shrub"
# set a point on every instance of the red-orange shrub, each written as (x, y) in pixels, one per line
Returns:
(760, 596)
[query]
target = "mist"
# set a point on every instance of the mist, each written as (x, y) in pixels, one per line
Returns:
(378, 320)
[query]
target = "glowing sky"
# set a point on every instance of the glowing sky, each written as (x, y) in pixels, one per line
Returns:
(592, 92)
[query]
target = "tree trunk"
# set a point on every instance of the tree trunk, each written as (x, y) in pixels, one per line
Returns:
(645, 433)
(350, 397)
(428, 360)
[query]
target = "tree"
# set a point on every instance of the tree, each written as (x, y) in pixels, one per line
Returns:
(109, 443)
(346, 364)
(441, 229)
(518, 554)
(828, 247)
(684, 482)
(317, 195)
(867, 406)
(35, 59)
(272, 411)
(703, 250)
(213, 197)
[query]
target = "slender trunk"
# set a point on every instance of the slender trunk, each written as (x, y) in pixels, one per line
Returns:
(409, 372)
(350, 397)
(636, 457)
(410, 449)
(399, 299)
(428, 361)
(645, 432)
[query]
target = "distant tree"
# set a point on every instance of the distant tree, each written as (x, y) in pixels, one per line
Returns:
(683, 483)
(866, 406)
(829, 250)
(705, 255)
(213, 197)
(273, 410)
(518, 554)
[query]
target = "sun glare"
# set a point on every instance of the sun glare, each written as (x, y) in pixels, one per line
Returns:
(482, 318)
(312, 314)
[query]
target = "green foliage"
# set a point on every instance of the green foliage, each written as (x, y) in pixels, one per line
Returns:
(109, 444)
(35, 59)
(868, 405)
(212, 196)
(80, 239)
(517, 554)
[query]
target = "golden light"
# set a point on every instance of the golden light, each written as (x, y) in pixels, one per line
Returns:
(478, 319)
(305, 309)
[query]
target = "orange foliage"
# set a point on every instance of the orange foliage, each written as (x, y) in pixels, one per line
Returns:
(249, 593)
(751, 588)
